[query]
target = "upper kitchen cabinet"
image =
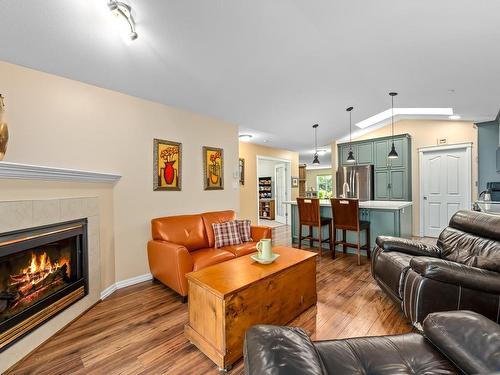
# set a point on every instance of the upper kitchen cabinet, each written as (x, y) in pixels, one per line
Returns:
(343, 151)
(392, 176)
(381, 152)
(363, 153)
(383, 147)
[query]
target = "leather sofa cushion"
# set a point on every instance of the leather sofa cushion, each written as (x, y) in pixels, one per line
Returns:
(457, 273)
(477, 223)
(462, 247)
(407, 246)
(185, 230)
(492, 263)
(241, 249)
(216, 217)
(206, 257)
(402, 354)
(390, 268)
(280, 351)
(468, 339)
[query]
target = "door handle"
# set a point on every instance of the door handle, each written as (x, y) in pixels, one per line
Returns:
(425, 198)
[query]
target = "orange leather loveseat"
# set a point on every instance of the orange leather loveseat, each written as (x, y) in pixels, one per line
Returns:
(182, 244)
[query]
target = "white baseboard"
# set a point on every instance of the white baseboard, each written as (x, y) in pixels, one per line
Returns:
(106, 292)
(124, 283)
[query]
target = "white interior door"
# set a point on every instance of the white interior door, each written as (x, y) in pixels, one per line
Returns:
(445, 185)
(280, 192)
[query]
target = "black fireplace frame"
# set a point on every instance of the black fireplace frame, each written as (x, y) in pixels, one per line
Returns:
(20, 240)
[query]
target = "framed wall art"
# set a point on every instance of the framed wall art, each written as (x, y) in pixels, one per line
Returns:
(213, 168)
(167, 165)
(295, 182)
(241, 167)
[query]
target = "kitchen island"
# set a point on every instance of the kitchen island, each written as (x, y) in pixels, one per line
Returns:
(388, 218)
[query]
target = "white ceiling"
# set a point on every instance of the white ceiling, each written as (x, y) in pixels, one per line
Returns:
(272, 67)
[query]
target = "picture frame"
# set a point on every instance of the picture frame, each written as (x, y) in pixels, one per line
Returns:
(295, 182)
(241, 168)
(213, 168)
(167, 165)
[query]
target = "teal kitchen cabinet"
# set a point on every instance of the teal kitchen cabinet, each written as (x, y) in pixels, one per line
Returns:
(392, 177)
(384, 221)
(382, 149)
(391, 184)
(397, 185)
(381, 160)
(381, 179)
(400, 144)
(364, 153)
(344, 150)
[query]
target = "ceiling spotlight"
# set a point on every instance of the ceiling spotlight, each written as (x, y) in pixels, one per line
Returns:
(455, 117)
(245, 137)
(123, 13)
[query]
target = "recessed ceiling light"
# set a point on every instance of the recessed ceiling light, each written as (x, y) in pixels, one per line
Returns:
(245, 137)
(455, 117)
(382, 116)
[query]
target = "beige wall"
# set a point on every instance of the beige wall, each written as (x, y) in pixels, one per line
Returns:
(58, 122)
(311, 175)
(248, 192)
(426, 133)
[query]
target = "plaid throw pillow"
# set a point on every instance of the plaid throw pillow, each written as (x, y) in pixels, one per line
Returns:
(245, 228)
(226, 234)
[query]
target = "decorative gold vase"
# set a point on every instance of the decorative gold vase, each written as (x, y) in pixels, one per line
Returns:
(4, 138)
(4, 131)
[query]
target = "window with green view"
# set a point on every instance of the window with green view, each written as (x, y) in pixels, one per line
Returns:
(324, 185)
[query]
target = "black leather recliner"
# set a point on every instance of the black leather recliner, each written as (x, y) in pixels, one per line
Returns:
(455, 342)
(460, 272)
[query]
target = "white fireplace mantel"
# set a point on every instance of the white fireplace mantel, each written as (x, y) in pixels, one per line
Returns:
(38, 172)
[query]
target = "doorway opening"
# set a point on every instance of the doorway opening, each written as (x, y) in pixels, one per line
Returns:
(273, 190)
(445, 185)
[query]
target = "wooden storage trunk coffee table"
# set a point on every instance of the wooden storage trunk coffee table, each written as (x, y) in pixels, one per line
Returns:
(228, 298)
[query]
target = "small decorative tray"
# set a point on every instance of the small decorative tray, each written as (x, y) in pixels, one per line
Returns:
(264, 261)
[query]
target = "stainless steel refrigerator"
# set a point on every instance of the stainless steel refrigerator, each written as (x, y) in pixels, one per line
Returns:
(355, 182)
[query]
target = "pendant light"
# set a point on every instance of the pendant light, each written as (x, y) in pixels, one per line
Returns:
(392, 154)
(350, 154)
(316, 158)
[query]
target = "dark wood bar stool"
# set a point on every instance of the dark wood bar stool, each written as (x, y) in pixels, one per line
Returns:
(309, 214)
(346, 217)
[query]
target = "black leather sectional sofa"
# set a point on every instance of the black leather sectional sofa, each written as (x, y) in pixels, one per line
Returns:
(460, 272)
(456, 342)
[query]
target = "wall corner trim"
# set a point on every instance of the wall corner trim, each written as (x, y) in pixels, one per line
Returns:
(37, 172)
(124, 283)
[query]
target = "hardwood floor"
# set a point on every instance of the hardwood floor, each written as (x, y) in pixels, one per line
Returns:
(139, 329)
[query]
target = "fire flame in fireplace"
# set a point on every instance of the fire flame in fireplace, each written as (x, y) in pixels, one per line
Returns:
(41, 266)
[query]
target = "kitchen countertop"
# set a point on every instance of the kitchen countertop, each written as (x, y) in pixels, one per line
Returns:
(379, 205)
(490, 207)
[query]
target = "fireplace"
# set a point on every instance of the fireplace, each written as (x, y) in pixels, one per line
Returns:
(43, 270)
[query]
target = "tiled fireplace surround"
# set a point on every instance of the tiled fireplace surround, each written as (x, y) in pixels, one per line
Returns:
(31, 213)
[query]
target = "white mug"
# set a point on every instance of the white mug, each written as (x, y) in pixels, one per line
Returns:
(265, 249)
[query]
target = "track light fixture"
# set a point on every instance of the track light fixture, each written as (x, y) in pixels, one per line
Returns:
(124, 12)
